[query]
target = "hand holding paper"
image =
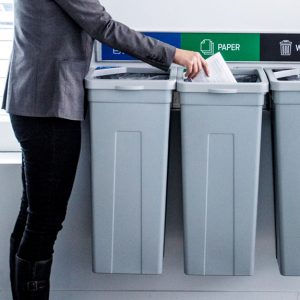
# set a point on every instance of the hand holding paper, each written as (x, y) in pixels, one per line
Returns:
(193, 61)
(219, 71)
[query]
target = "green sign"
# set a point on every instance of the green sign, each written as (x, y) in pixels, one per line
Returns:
(233, 46)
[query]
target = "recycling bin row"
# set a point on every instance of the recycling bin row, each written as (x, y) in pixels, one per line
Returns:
(221, 132)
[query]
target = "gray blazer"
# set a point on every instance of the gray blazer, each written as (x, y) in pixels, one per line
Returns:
(52, 50)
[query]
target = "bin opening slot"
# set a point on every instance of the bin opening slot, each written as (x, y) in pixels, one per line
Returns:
(290, 78)
(136, 76)
(246, 77)
(239, 78)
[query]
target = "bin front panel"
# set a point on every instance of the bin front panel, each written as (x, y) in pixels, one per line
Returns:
(127, 156)
(287, 97)
(221, 146)
(211, 99)
(219, 227)
(287, 178)
(129, 170)
(119, 96)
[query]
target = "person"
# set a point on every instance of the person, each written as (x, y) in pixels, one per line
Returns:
(44, 96)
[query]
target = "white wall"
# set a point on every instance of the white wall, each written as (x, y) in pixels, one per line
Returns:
(275, 16)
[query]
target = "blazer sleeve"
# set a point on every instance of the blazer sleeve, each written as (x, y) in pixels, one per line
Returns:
(92, 17)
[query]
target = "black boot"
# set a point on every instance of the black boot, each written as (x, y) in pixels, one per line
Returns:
(14, 246)
(33, 279)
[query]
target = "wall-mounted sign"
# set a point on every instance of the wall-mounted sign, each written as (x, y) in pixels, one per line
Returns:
(280, 47)
(108, 53)
(233, 46)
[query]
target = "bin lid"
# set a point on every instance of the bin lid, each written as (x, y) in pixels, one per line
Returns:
(130, 78)
(284, 79)
(248, 81)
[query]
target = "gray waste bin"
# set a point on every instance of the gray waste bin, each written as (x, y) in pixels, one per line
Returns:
(129, 111)
(221, 131)
(285, 92)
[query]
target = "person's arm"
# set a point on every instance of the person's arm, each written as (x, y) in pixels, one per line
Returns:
(92, 17)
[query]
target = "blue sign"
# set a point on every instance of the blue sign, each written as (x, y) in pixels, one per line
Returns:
(109, 53)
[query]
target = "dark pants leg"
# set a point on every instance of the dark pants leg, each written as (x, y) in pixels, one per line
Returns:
(17, 235)
(22, 217)
(50, 148)
(50, 152)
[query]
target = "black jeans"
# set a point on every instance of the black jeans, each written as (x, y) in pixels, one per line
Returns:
(50, 153)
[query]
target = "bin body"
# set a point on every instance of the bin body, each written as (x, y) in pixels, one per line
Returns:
(129, 152)
(286, 129)
(221, 130)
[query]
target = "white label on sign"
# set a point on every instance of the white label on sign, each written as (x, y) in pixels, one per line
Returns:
(207, 47)
(229, 47)
(117, 52)
(286, 48)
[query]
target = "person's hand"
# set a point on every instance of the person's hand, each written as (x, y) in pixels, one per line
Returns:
(193, 61)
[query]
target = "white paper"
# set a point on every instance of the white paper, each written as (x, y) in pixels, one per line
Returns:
(286, 73)
(218, 71)
(109, 71)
